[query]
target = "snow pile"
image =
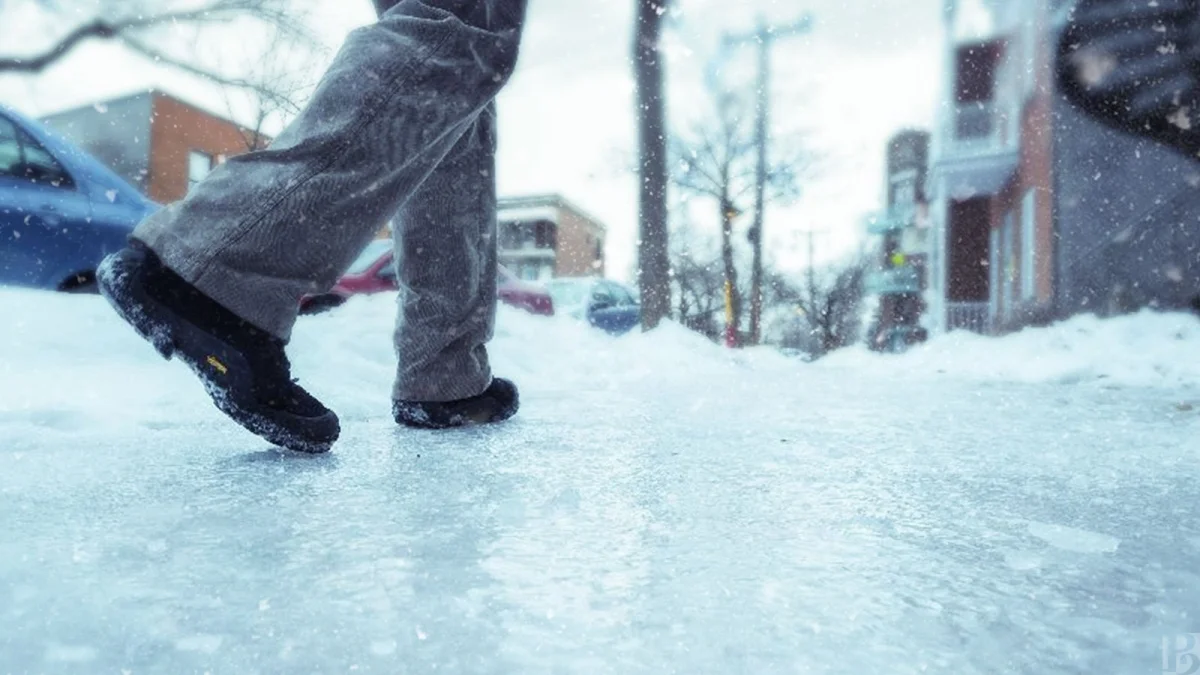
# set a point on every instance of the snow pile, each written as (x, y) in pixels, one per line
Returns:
(1143, 349)
(71, 366)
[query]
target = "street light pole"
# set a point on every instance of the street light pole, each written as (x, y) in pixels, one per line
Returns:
(764, 36)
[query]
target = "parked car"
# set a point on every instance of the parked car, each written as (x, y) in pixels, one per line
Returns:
(61, 210)
(605, 304)
(373, 272)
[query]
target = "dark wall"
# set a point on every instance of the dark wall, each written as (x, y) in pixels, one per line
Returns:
(970, 228)
(909, 150)
(1128, 220)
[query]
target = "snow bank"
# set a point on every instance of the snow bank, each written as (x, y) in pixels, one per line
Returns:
(69, 365)
(1143, 349)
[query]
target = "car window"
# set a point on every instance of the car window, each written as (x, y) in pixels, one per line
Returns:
(388, 270)
(40, 165)
(369, 255)
(620, 296)
(566, 293)
(10, 149)
(601, 293)
(21, 156)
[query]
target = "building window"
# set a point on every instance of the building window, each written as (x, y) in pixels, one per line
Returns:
(1028, 245)
(902, 197)
(199, 166)
(544, 236)
(517, 235)
(994, 266)
(1008, 265)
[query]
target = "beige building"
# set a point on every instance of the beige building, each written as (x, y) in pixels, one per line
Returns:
(546, 236)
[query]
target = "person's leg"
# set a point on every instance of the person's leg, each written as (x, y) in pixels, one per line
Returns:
(268, 227)
(226, 267)
(446, 256)
(1129, 65)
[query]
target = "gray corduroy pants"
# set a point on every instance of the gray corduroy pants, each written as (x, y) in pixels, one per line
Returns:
(402, 124)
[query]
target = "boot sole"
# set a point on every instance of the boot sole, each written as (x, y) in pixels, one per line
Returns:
(171, 337)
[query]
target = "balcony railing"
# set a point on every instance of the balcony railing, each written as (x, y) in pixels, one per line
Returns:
(894, 281)
(972, 316)
(527, 252)
(976, 149)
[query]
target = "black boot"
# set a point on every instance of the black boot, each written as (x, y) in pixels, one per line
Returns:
(244, 369)
(496, 404)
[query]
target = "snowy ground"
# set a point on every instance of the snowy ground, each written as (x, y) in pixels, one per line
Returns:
(1024, 505)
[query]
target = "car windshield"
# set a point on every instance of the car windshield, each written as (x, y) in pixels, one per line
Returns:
(369, 255)
(568, 293)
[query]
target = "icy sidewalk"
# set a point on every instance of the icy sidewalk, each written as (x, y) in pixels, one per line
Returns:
(656, 508)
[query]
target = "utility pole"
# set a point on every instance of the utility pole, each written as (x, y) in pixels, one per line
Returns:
(764, 37)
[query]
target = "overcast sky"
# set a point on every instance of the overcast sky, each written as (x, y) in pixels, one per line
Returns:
(867, 69)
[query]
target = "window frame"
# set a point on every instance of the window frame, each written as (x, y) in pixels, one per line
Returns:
(996, 266)
(621, 297)
(1028, 244)
(23, 139)
(193, 154)
(1007, 271)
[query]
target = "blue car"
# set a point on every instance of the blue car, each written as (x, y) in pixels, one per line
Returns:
(61, 210)
(605, 304)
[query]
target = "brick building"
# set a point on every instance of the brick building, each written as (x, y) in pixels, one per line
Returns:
(546, 236)
(159, 143)
(1037, 212)
(903, 226)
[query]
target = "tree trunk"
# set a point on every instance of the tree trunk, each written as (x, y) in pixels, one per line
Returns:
(731, 280)
(654, 279)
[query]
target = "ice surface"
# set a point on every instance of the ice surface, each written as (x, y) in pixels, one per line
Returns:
(659, 506)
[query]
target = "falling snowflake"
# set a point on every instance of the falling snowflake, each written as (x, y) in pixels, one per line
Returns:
(1180, 118)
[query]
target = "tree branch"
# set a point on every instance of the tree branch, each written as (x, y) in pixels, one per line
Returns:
(96, 29)
(108, 29)
(216, 78)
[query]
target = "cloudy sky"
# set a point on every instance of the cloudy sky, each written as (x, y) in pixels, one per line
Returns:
(867, 69)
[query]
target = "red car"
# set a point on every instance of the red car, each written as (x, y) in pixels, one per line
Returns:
(373, 272)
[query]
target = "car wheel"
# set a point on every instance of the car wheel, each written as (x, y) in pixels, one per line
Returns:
(322, 303)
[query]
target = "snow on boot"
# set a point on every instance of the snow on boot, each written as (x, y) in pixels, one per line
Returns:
(244, 369)
(496, 404)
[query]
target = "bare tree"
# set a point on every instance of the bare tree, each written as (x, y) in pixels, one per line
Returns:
(717, 159)
(698, 282)
(829, 305)
(153, 28)
(281, 76)
(654, 267)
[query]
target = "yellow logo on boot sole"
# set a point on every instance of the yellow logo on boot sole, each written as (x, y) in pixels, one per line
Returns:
(212, 361)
